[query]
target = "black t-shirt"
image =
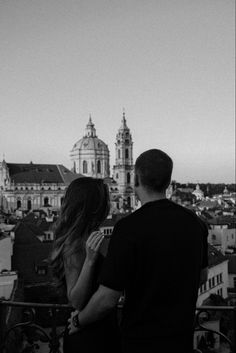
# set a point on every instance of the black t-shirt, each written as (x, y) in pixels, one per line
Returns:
(155, 255)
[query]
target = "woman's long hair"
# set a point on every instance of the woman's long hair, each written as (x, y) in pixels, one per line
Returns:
(84, 208)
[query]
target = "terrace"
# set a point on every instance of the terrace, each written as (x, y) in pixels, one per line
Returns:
(33, 327)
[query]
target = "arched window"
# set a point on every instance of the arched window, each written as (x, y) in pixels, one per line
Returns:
(118, 153)
(85, 167)
(126, 153)
(128, 201)
(128, 178)
(98, 167)
(45, 200)
(18, 204)
(29, 204)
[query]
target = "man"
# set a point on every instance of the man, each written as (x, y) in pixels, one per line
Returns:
(158, 257)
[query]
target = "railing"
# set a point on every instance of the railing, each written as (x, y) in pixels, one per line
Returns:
(23, 337)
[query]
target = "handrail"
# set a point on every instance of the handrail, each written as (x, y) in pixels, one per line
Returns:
(53, 338)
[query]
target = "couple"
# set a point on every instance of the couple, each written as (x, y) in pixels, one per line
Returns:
(157, 258)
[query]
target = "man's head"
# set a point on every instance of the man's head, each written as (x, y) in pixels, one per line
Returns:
(153, 169)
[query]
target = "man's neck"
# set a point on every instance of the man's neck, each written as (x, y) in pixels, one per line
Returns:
(152, 197)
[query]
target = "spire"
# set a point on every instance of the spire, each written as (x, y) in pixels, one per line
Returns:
(123, 121)
(90, 130)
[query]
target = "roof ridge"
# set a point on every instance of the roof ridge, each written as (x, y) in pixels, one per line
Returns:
(60, 172)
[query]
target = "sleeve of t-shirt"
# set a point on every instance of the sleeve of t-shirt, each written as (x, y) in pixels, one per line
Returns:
(118, 264)
(205, 246)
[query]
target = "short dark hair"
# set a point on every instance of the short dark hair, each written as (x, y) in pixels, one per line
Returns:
(154, 168)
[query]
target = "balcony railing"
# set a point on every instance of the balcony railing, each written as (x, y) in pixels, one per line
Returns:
(23, 332)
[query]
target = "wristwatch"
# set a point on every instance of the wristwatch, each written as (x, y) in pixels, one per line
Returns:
(76, 322)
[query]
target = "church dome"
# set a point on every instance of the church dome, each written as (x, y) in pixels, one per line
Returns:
(90, 155)
(90, 141)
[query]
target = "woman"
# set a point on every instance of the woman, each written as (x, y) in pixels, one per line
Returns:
(76, 261)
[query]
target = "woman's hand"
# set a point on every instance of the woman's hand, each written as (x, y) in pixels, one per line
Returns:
(71, 327)
(93, 244)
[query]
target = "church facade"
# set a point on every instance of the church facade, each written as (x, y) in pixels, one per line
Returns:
(32, 186)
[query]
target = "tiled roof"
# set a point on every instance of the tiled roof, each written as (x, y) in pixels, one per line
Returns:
(208, 204)
(223, 220)
(40, 173)
(215, 257)
(26, 233)
(110, 222)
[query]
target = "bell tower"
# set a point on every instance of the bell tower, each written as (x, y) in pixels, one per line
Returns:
(123, 171)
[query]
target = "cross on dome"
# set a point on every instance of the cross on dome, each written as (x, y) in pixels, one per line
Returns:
(90, 130)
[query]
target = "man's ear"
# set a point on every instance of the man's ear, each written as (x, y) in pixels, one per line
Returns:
(136, 181)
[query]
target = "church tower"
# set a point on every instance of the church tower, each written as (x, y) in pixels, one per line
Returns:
(123, 171)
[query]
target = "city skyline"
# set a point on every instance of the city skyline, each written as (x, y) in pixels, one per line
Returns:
(169, 64)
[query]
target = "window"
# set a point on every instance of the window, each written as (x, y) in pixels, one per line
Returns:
(45, 201)
(29, 204)
(128, 201)
(85, 167)
(117, 176)
(62, 199)
(126, 153)
(118, 153)
(220, 276)
(98, 166)
(18, 204)
(213, 282)
(234, 282)
(210, 285)
(128, 178)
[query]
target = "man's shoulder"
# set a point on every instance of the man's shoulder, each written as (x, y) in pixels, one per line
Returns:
(192, 216)
(127, 220)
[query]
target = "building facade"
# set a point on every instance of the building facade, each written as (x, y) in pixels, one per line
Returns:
(218, 278)
(32, 186)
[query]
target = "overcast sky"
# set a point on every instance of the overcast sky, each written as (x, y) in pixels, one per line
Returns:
(169, 63)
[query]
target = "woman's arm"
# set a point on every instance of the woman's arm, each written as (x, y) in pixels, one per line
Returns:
(79, 274)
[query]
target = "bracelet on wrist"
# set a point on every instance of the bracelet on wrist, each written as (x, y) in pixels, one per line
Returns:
(76, 322)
